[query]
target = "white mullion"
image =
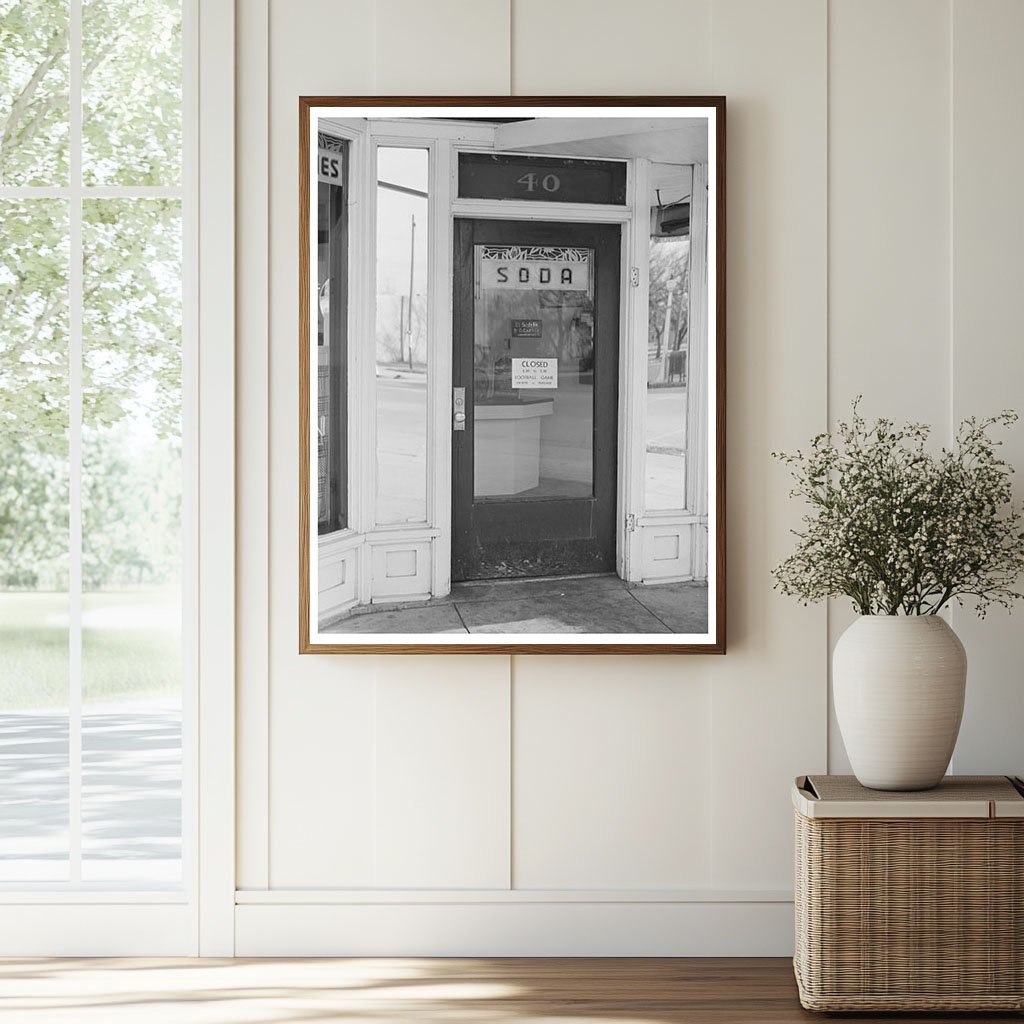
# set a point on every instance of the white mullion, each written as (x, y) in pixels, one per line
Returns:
(95, 191)
(75, 298)
(189, 680)
(34, 192)
(135, 192)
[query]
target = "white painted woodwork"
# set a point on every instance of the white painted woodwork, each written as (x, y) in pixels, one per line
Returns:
(634, 311)
(338, 571)
(400, 571)
(516, 209)
(534, 929)
(661, 140)
(700, 405)
(439, 358)
(252, 466)
(217, 490)
(667, 552)
(98, 928)
(501, 897)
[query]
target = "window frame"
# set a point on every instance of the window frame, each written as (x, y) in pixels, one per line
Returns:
(74, 193)
(337, 344)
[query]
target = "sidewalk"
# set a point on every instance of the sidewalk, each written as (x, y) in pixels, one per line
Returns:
(595, 604)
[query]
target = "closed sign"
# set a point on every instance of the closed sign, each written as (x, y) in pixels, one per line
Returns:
(536, 274)
(534, 373)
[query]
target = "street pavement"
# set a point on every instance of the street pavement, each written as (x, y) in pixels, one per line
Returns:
(131, 794)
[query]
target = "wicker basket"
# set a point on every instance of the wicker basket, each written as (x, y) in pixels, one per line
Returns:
(910, 901)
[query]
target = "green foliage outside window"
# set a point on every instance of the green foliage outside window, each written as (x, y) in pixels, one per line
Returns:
(131, 303)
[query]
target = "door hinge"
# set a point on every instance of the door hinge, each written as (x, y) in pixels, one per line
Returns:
(630, 523)
(634, 276)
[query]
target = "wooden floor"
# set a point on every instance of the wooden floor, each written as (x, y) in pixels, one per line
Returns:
(382, 991)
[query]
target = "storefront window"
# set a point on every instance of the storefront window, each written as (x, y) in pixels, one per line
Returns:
(668, 357)
(402, 178)
(332, 330)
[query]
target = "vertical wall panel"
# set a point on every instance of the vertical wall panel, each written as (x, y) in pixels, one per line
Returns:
(442, 801)
(889, 326)
(988, 353)
(253, 534)
(323, 761)
(445, 47)
(622, 793)
(889, 209)
(612, 775)
(575, 47)
(769, 692)
(442, 773)
(324, 729)
(320, 708)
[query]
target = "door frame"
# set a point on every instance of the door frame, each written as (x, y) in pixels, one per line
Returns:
(604, 249)
(629, 469)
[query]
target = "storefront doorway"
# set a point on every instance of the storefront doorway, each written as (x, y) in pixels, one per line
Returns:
(535, 398)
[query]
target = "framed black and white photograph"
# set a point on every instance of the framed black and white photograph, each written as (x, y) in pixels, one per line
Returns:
(512, 380)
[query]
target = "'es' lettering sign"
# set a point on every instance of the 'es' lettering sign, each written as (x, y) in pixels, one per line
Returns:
(328, 166)
(539, 275)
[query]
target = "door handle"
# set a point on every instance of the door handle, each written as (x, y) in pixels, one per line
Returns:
(458, 408)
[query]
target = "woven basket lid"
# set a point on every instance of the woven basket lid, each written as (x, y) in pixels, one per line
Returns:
(957, 796)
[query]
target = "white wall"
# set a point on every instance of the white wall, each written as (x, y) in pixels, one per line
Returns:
(537, 805)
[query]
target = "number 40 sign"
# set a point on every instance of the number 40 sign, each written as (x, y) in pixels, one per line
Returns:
(541, 179)
(531, 181)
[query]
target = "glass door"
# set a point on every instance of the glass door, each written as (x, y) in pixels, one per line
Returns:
(536, 358)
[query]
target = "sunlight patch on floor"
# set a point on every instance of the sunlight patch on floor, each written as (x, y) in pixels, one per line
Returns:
(359, 991)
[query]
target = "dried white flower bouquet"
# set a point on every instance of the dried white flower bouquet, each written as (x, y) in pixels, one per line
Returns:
(900, 530)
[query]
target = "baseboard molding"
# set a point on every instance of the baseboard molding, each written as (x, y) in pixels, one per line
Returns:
(98, 929)
(333, 897)
(521, 928)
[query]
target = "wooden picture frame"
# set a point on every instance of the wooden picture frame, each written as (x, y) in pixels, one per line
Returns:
(553, 398)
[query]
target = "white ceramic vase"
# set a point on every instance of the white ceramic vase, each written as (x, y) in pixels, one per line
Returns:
(898, 685)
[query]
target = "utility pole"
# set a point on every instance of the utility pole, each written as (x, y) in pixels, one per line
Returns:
(401, 330)
(412, 267)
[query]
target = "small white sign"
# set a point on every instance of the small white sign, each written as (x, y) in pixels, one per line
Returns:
(534, 373)
(328, 166)
(535, 275)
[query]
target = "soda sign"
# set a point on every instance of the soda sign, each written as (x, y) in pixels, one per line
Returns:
(534, 373)
(535, 274)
